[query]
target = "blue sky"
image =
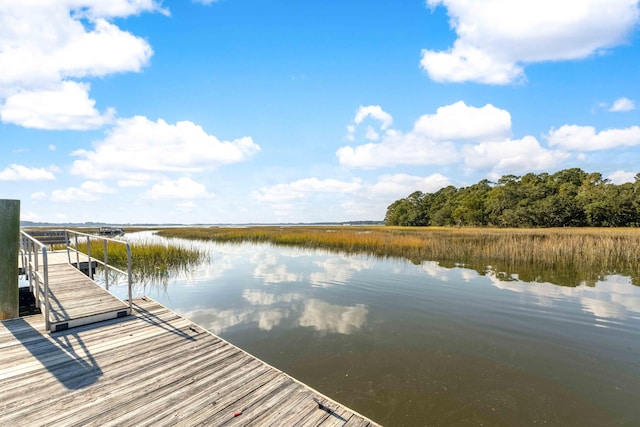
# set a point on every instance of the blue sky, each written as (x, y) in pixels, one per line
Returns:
(236, 111)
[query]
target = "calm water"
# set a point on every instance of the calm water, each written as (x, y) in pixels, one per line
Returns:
(412, 345)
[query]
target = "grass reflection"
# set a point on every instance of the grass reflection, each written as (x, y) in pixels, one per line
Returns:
(567, 256)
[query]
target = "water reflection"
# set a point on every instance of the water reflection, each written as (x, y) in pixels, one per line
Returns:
(337, 270)
(270, 270)
(614, 297)
(332, 317)
(427, 343)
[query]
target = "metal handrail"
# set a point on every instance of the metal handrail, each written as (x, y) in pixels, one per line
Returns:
(30, 249)
(105, 262)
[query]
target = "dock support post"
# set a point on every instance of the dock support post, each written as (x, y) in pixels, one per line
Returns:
(9, 249)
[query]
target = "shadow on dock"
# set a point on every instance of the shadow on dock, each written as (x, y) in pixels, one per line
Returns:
(155, 320)
(63, 354)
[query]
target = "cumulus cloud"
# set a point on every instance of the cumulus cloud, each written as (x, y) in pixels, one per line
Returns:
(497, 38)
(585, 138)
(511, 155)
(397, 148)
(478, 136)
(23, 173)
(88, 191)
(182, 188)
(621, 177)
(462, 122)
(399, 185)
(361, 199)
(622, 105)
(65, 107)
(136, 148)
(301, 188)
(46, 46)
(375, 112)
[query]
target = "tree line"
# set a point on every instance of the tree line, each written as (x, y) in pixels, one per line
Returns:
(570, 197)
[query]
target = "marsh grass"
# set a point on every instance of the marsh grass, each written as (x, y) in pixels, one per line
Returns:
(150, 260)
(566, 256)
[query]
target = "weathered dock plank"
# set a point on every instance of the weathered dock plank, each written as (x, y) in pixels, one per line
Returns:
(151, 368)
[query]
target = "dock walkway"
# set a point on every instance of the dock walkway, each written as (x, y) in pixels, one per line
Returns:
(77, 300)
(74, 298)
(153, 367)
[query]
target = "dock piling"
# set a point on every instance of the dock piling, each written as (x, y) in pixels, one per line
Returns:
(9, 249)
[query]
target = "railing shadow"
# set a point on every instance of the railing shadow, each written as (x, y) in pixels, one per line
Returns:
(147, 316)
(63, 354)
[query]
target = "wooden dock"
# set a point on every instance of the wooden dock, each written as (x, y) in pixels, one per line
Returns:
(74, 298)
(153, 367)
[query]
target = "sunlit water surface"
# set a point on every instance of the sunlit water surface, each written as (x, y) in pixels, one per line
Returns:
(410, 345)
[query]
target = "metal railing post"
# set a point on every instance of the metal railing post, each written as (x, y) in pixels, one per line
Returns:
(45, 279)
(77, 253)
(89, 255)
(129, 277)
(106, 261)
(66, 244)
(33, 278)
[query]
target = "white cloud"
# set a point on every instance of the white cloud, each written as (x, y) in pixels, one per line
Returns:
(478, 136)
(88, 191)
(301, 188)
(371, 134)
(397, 148)
(375, 112)
(65, 107)
(462, 122)
(23, 173)
(46, 42)
(360, 199)
(46, 45)
(187, 206)
(125, 183)
(182, 188)
(137, 147)
(621, 177)
(432, 140)
(399, 185)
(511, 156)
(622, 105)
(585, 138)
(497, 38)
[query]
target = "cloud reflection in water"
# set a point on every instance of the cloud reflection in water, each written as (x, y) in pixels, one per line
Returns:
(615, 297)
(333, 318)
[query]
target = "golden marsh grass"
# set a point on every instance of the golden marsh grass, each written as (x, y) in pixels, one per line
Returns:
(149, 260)
(567, 256)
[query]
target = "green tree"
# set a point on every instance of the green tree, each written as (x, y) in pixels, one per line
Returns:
(470, 206)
